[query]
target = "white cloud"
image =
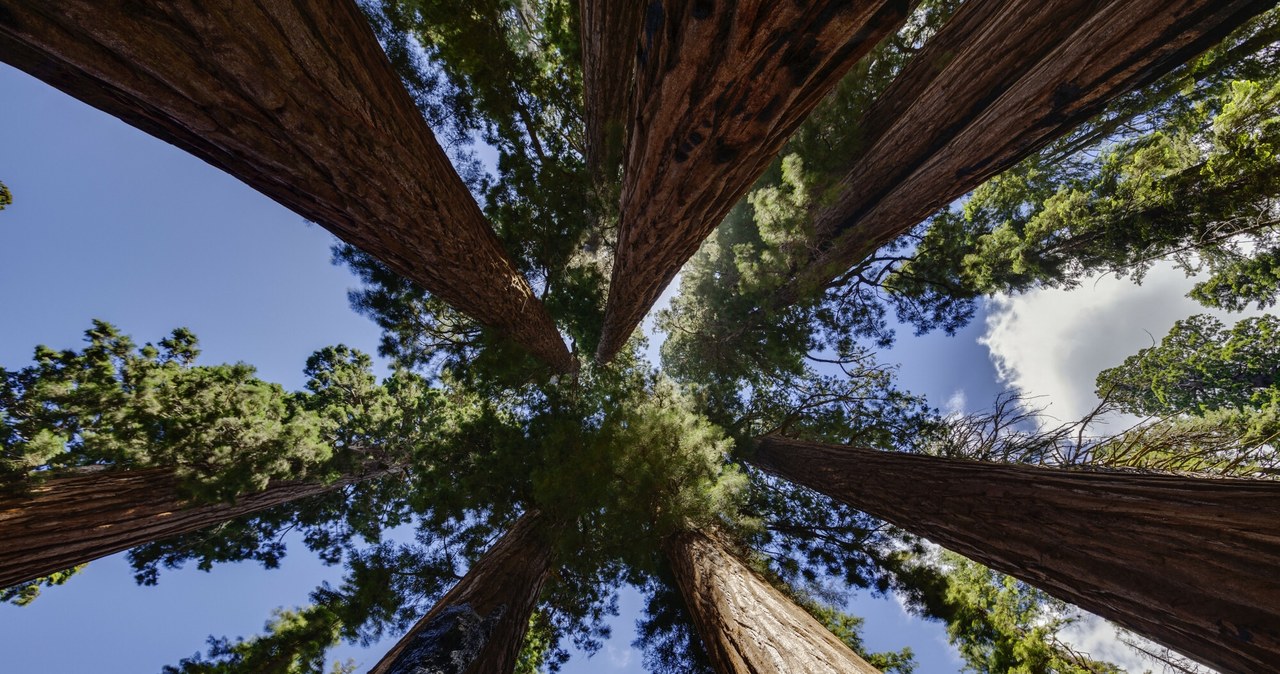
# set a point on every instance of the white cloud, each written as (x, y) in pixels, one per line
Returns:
(957, 403)
(619, 656)
(1097, 638)
(1052, 343)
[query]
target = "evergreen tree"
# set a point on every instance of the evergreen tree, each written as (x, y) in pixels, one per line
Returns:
(533, 493)
(1200, 367)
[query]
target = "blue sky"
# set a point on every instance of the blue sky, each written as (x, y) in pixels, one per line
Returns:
(110, 223)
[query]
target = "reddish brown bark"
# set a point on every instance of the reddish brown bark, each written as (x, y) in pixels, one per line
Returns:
(746, 624)
(719, 88)
(610, 33)
(478, 627)
(1189, 563)
(68, 521)
(999, 81)
(296, 99)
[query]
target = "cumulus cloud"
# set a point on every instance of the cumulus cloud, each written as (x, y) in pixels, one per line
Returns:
(1052, 343)
(1100, 640)
(956, 403)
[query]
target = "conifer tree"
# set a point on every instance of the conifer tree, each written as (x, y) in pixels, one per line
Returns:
(554, 487)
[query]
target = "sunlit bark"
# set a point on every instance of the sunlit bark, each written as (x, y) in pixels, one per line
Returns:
(746, 624)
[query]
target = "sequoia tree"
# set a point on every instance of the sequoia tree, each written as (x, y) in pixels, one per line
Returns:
(747, 625)
(373, 172)
(719, 88)
(619, 473)
(116, 446)
(479, 625)
(1133, 548)
(68, 521)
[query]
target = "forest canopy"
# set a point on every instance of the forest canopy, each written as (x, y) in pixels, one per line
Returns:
(520, 464)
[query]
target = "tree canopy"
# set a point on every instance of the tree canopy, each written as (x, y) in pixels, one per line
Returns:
(490, 434)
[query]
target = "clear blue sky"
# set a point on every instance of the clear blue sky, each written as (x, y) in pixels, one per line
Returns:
(110, 223)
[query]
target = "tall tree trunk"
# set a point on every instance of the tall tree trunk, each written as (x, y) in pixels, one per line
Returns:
(68, 521)
(746, 624)
(999, 81)
(1190, 563)
(478, 627)
(296, 99)
(719, 88)
(610, 33)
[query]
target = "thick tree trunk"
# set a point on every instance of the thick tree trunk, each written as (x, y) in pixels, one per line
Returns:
(296, 99)
(68, 521)
(999, 81)
(610, 32)
(1189, 563)
(478, 627)
(719, 88)
(746, 624)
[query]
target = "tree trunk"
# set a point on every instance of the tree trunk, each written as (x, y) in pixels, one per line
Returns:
(999, 81)
(610, 33)
(719, 88)
(746, 624)
(478, 627)
(1190, 563)
(296, 99)
(68, 521)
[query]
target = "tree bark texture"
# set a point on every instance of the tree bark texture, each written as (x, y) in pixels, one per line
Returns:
(610, 32)
(68, 521)
(296, 99)
(1190, 563)
(478, 626)
(1000, 80)
(719, 89)
(746, 624)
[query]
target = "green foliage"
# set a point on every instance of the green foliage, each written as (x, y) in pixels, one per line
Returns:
(6, 197)
(295, 643)
(651, 468)
(538, 641)
(1200, 366)
(24, 594)
(848, 628)
(1004, 626)
(222, 430)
